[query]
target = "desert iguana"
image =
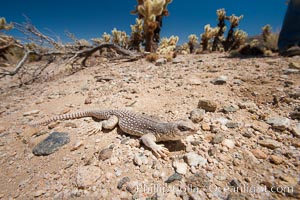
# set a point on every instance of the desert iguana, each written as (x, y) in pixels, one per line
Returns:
(150, 130)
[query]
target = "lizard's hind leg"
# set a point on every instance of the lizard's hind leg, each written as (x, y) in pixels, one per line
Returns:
(110, 123)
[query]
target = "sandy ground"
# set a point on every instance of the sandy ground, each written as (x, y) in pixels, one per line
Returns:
(252, 160)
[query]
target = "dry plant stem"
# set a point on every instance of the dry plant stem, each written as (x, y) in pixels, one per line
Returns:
(86, 53)
(30, 30)
(6, 46)
(24, 59)
(8, 43)
(38, 72)
(18, 67)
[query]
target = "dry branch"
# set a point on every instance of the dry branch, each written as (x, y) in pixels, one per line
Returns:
(6, 46)
(39, 44)
(75, 55)
(18, 67)
(8, 42)
(33, 34)
(86, 53)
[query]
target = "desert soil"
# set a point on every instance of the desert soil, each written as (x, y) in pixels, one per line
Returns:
(247, 147)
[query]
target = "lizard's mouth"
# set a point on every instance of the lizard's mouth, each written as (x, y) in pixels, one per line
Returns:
(185, 133)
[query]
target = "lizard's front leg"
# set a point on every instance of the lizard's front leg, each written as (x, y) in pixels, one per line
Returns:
(110, 123)
(149, 140)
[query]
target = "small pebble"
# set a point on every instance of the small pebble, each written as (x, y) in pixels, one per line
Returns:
(77, 145)
(122, 182)
(259, 154)
(207, 105)
(105, 154)
(174, 177)
(32, 112)
(277, 160)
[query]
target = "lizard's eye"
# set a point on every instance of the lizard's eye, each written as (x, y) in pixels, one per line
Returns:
(183, 128)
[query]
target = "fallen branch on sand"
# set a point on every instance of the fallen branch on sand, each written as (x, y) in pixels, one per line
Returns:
(74, 56)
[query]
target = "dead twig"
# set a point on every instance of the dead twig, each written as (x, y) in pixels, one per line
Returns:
(33, 34)
(37, 72)
(86, 53)
(18, 67)
(6, 46)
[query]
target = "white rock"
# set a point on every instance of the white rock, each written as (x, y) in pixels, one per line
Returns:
(160, 61)
(180, 167)
(221, 120)
(118, 172)
(296, 130)
(194, 159)
(137, 160)
(280, 123)
(140, 159)
(230, 144)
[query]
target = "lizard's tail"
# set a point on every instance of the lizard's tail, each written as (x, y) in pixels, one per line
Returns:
(75, 115)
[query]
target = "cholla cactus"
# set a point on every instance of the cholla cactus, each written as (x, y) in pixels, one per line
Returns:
(254, 42)
(266, 32)
(270, 39)
(234, 20)
(119, 37)
(97, 41)
(150, 10)
(106, 37)
(185, 48)
(173, 40)
(4, 25)
(167, 45)
(138, 27)
(124, 39)
(116, 36)
(83, 43)
(136, 37)
(240, 35)
(239, 39)
(165, 10)
(221, 13)
(208, 34)
(193, 40)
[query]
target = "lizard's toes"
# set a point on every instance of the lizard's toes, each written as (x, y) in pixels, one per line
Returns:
(95, 130)
(161, 151)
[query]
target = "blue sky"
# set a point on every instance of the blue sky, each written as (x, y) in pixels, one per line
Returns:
(90, 18)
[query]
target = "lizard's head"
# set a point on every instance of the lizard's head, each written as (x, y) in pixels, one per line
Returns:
(183, 129)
